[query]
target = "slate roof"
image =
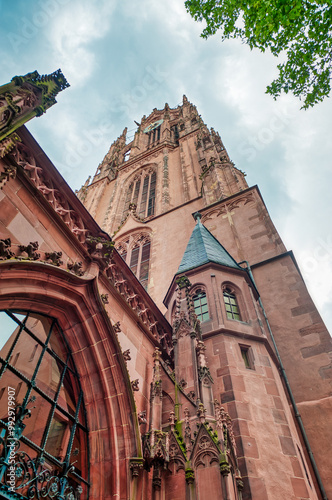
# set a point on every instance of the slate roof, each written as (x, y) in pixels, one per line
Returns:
(202, 248)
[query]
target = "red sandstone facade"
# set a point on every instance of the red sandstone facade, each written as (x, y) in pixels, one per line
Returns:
(196, 404)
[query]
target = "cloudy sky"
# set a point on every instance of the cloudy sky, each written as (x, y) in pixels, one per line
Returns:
(123, 58)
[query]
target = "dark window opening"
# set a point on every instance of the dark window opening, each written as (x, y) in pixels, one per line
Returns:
(175, 131)
(247, 356)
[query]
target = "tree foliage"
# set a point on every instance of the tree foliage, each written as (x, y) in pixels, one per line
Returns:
(299, 30)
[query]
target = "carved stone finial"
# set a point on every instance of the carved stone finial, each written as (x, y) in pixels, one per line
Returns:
(183, 282)
(28, 96)
(172, 419)
(201, 412)
(187, 428)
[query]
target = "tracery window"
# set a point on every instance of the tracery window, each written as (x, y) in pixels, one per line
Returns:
(142, 193)
(231, 305)
(42, 418)
(135, 251)
(200, 304)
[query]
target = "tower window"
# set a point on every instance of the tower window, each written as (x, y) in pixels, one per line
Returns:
(137, 256)
(232, 308)
(201, 305)
(154, 136)
(142, 193)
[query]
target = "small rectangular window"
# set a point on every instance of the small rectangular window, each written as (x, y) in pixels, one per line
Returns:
(247, 356)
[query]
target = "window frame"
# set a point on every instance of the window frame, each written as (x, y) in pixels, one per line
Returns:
(76, 421)
(126, 248)
(141, 192)
(232, 309)
(202, 290)
(247, 356)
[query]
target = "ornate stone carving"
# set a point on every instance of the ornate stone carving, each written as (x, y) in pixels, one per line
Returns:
(76, 268)
(156, 447)
(104, 298)
(191, 395)
(182, 383)
(100, 250)
(8, 144)
(201, 412)
(136, 466)
(54, 258)
(31, 250)
(137, 303)
(142, 417)
(134, 384)
(28, 96)
(117, 327)
(8, 173)
(190, 475)
(5, 252)
(183, 282)
(172, 420)
(25, 158)
(126, 355)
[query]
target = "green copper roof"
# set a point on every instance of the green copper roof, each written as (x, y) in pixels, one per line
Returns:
(202, 248)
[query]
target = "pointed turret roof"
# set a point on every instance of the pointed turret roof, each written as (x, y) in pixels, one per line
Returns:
(202, 248)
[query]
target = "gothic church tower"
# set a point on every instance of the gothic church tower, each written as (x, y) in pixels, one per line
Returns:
(246, 333)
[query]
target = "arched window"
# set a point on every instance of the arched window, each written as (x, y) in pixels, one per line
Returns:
(40, 381)
(231, 305)
(201, 305)
(136, 253)
(142, 193)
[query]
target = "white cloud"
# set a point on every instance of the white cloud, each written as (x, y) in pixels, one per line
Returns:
(72, 32)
